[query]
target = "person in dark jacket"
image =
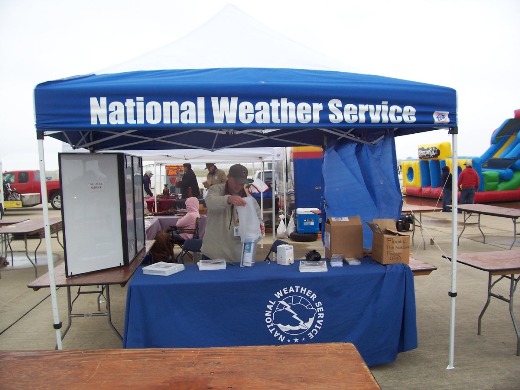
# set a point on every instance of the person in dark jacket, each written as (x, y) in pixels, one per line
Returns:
(189, 184)
(147, 181)
(446, 182)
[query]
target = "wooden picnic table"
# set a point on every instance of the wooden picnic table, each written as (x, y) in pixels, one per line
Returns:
(305, 366)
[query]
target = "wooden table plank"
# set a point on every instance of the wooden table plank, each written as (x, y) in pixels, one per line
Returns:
(11, 220)
(410, 208)
(31, 226)
(301, 366)
(420, 268)
(118, 275)
(487, 209)
(496, 262)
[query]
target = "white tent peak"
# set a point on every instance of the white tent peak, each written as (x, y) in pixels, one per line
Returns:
(226, 155)
(231, 39)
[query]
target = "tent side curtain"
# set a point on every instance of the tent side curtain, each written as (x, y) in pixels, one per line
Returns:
(361, 180)
(236, 107)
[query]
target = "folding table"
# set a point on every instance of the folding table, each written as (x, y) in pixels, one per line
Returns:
(30, 229)
(486, 209)
(101, 280)
(505, 265)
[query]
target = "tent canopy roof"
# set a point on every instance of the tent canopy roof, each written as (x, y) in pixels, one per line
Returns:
(152, 104)
(224, 156)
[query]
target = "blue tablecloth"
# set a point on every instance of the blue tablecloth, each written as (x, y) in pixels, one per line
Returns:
(370, 305)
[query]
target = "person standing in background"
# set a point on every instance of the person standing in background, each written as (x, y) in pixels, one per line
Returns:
(189, 185)
(147, 182)
(469, 181)
(214, 176)
(446, 181)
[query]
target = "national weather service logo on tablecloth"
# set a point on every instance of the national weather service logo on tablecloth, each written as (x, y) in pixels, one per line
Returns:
(295, 314)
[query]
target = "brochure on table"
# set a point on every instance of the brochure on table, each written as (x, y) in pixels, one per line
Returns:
(163, 269)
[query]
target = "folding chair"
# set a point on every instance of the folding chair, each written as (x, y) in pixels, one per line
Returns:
(190, 247)
(174, 231)
(274, 248)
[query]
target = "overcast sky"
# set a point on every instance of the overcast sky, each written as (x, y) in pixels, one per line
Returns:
(469, 45)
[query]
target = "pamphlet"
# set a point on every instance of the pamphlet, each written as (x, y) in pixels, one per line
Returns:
(163, 269)
(336, 260)
(207, 265)
(313, 266)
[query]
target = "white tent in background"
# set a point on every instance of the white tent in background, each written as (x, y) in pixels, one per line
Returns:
(231, 39)
(225, 156)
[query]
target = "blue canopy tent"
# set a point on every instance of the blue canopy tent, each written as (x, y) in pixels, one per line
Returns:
(252, 107)
(353, 116)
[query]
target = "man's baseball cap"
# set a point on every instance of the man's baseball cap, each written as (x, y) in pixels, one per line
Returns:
(468, 164)
(149, 173)
(209, 165)
(239, 173)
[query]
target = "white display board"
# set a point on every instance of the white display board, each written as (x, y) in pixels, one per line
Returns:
(98, 211)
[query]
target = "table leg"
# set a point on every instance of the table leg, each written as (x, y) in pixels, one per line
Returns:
(3, 252)
(69, 313)
(512, 288)
(417, 222)
(413, 228)
(463, 227)
(422, 233)
(483, 235)
(28, 257)
(8, 245)
(514, 232)
(58, 239)
(109, 314)
(469, 214)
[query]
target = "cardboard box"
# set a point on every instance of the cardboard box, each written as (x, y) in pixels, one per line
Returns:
(388, 245)
(344, 235)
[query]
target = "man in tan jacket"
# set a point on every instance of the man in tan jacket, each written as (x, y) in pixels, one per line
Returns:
(214, 176)
(221, 238)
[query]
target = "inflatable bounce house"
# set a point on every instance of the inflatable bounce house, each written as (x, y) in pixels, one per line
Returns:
(498, 167)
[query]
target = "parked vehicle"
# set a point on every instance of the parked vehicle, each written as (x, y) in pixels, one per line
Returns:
(28, 182)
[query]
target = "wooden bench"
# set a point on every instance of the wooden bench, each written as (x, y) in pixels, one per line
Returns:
(298, 366)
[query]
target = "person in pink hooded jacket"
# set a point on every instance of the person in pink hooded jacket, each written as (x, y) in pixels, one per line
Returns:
(185, 226)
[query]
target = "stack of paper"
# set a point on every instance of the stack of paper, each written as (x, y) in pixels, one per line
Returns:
(336, 260)
(313, 266)
(205, 265)
(163, 269)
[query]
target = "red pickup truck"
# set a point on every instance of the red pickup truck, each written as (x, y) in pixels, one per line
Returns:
(28, 182)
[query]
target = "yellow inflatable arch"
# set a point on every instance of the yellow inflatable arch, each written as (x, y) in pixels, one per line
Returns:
(411, 173)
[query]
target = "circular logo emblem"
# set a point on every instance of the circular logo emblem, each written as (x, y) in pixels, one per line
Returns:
(295, 315)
